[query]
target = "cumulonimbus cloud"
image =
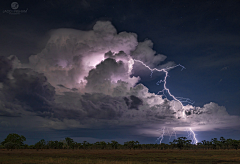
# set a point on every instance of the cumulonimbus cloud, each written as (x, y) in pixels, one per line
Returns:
(85, 78)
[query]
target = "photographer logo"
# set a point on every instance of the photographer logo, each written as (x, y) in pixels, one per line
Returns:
(14, 5)
(15, 10)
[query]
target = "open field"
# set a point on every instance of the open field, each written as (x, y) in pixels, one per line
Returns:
(119, 156)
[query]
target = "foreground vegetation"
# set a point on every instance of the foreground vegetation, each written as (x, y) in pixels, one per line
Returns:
(13, 150)
(15, 141)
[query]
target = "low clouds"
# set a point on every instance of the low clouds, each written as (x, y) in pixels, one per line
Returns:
(83, 79)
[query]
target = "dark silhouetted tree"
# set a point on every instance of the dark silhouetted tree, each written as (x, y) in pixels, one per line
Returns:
(182, 142)
(13, 141)
(114, 144)
(70, 142)
(40, 144)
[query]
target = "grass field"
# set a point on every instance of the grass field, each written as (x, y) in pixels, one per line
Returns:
(28, 156)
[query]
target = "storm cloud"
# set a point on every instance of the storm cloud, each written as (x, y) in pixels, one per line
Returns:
(83, 79)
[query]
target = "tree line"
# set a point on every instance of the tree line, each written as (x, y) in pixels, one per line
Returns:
(15, 141)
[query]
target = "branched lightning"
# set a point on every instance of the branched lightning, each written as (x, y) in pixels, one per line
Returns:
(165, 131)
(192, 136)
(160, 138)
(181, 100)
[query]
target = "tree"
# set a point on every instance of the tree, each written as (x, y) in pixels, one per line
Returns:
(205, 144)
(131, 144)
(114, 144)
(60, 145)
(97, 145)
(13, 141)
(55, 145)
(70, 142)
(182, 142)
(11, 145)
(85, 144)
(137, 144)
(51, 145)
(215, 143)
(103, 145)
(222, 139)
(222, 142)
(228, 143)
(235, 144)
(40, 144)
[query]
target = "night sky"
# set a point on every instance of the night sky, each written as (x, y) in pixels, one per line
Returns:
(69, 69)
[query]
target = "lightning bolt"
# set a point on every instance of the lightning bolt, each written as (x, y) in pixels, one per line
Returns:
(192, 136)
(181, 100)
(160, 138)
(166, 131)
(172, 133)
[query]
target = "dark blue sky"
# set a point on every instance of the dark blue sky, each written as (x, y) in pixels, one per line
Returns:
(201, 35)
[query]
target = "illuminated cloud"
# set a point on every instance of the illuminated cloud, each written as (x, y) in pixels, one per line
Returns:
(145, 53)
(83, 79)
(70, 54)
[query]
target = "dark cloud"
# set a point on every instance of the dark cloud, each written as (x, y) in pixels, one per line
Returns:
(86, 107)
(30, 83)
(133, 102)
(5, 68)
(102, 106)
(30, 89)
(14, 112)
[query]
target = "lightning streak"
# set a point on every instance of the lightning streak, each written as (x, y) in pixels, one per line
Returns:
(160, 138)
(181, 100)
(165, 81)
(166, 131)
(192, 136)
(172, 133)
